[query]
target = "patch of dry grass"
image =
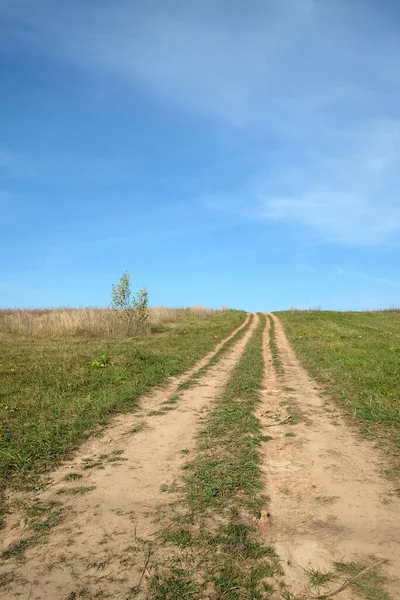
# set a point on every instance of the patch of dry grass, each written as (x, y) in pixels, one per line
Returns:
(86, 322)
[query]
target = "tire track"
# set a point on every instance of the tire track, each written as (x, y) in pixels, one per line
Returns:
(328, 501)
(103, 547)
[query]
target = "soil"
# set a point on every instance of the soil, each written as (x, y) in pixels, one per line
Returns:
(103, 546)
(329, 500)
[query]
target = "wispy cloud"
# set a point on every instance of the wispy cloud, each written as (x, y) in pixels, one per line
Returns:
(309, 86)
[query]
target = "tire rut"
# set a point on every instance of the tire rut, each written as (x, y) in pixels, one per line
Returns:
(104, 545)
(329, 502)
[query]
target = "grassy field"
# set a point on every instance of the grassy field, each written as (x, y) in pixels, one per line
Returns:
(54, 392)
(356, 356)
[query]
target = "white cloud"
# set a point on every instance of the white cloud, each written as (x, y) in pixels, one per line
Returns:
(351, 198)
(260, 62)
(312, 80)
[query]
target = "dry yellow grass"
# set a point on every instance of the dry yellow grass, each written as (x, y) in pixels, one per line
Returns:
(94, 322)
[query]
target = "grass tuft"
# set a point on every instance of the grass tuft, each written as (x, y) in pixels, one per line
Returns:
(319, 579)
(276, 359)
(17, 549)
(73, 476)
(76, 491)
(41, 516)
(138, 427)
(369, 585)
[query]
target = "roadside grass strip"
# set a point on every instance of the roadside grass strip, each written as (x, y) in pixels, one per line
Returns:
(212, 541)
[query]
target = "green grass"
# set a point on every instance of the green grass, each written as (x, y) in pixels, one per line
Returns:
(276, 360)
(138, 427)
(192, 379)
(293, 409)
(53, 397)
(41, 516)
(76, 491)
(356, 356)
(178, 585)
(17, 549)
(228, 462)
(319, 579)
(72, 476)
(172, 400)
(214, 541)
(369, 585)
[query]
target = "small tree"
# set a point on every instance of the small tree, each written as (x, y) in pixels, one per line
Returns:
(141, 307)
(121, 293)
(134, 310)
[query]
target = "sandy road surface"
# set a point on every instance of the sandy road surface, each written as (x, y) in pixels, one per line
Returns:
(100, 548)
(329, 501)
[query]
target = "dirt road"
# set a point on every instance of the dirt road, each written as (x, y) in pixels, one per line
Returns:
(328, 501)
(100, 547)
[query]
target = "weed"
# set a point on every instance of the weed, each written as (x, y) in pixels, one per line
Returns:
(369, 585)
(99, 565)
(6, 578)
(42, 516)
(137, 428)
(89, 463)
(172, 400)
(319, 579)
(290, 434)
(75, 491)
(103, 362)
(72, 476)
(113, 459)
(17, 549)
(293, 409)
(53, 519)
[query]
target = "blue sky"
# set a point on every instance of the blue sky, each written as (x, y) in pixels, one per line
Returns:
(224, 152)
